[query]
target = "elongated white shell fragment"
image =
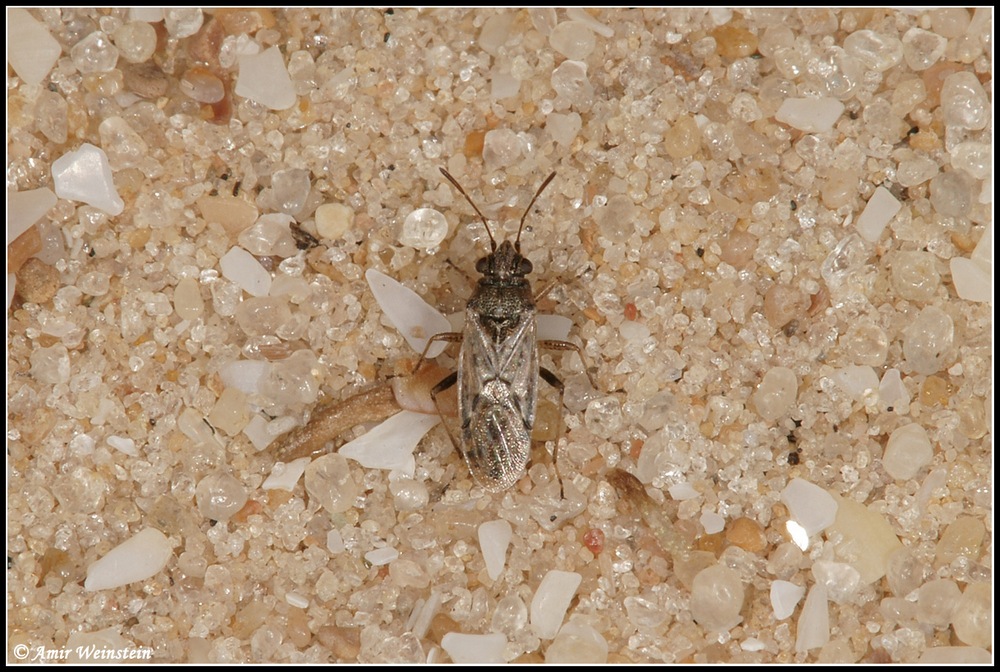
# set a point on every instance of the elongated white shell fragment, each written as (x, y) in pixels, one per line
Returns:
(133, 560)
(413, 317)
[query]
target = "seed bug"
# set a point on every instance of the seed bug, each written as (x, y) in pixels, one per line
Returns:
(498, 365)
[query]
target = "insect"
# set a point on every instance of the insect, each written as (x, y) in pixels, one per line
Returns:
(498, 365)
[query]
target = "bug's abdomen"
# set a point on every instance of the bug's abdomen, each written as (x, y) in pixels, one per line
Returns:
(497, 443)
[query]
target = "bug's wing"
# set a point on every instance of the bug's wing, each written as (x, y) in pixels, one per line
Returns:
(497, 394)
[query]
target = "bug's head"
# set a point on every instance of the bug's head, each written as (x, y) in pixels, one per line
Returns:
(504, 262)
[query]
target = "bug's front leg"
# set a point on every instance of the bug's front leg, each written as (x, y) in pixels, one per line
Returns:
(450, 336)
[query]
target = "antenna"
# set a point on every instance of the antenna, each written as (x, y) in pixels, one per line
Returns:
(493, 243)
(517, 241)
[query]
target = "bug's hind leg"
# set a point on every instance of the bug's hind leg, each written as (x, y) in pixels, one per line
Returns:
(564, 346)
(446, 383)
(553, 380)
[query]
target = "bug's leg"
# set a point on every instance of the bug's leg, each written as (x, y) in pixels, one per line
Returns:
(553, 380)
(445, 383)
(450, 336)
(566, 345)
(545, 290)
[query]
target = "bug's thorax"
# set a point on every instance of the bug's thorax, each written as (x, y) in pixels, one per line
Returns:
(503, 297)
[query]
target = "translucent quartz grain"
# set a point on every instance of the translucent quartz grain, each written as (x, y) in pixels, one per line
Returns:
(964, 102)
(409, 494)
(577, 643)
(52, 114)
(424, 228)
(232, 212)
(182, 21)
(219, 496)
(840, 188)
(961, 538)
(973, 617)
(975, 158)
(126, 148)
(914, 275)
(501, 147)
(290, 189)
(717, 598)
(188, 302)
(864, 539)
(937, 601)
(776, 393)
(922, 48)
(907, 95)
(543, 19)
(603, 417)
(333, 220)
(569, 80)
(737, 248)
(270, 236)
(951, 193)
(573, 39)
(202, 85)
(50, 365)
(927, 340)
(876, 50)
(231, 412)
(917, 170)
(956, 655)
(136, 41)
(94, 53)
(857, 381)
(782, 304)
(563, 127)
(329, 482)
(865, 343)
(683, 138)
(495, 32)
(950, 21)
(908, 451)
(840, 580)
(615, 218)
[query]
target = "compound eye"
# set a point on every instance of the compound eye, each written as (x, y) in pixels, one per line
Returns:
(525, 267)
(483, 265)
